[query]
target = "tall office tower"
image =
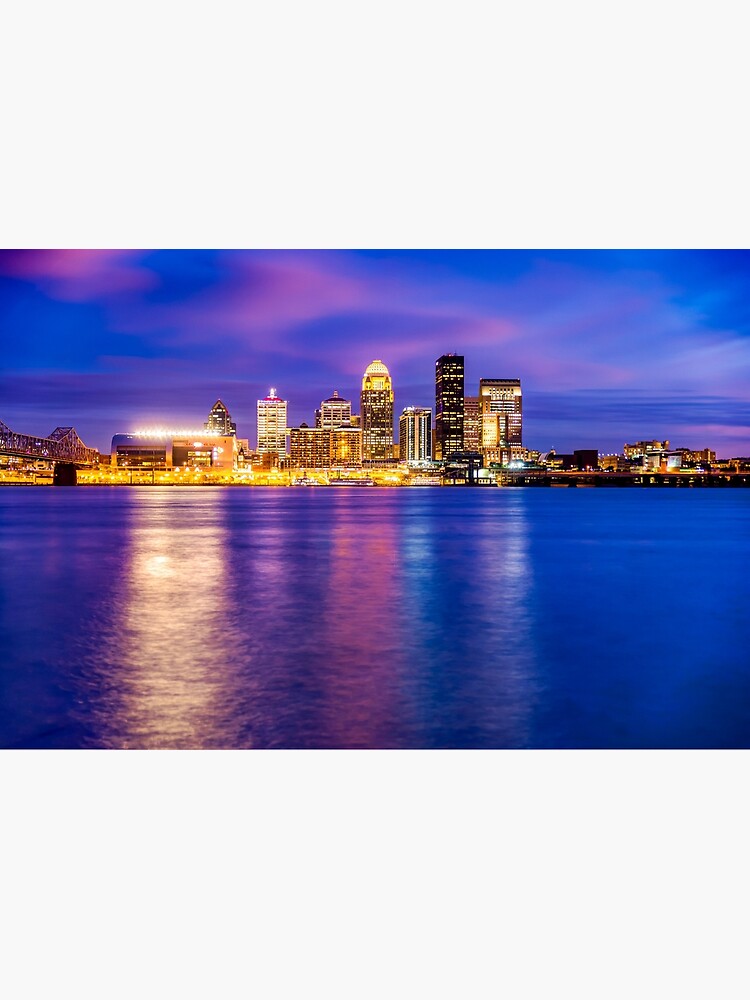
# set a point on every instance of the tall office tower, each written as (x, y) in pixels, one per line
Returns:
(272, 424)
(219, 421)
(472, 424)
(449, 405)
(376, 406)
(501, 418)
(335, 412)
(415, 434)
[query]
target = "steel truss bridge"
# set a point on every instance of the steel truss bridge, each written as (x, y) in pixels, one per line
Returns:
(63, 449)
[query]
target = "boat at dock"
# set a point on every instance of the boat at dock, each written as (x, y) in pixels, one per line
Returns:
(351, 482)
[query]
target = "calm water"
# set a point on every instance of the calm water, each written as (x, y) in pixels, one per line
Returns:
(147, 617)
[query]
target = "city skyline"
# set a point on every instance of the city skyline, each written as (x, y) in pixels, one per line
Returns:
(610, 346)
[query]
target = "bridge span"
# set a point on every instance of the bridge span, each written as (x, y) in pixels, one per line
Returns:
(63, 449)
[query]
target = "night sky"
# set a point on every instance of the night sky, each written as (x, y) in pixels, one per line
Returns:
(610, 346)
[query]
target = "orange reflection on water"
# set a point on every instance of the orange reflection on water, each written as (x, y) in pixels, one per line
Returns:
(167, 686)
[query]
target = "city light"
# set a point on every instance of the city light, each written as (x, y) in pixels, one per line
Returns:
(165, 432)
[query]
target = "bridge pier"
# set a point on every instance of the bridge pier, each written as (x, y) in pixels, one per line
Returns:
(65, 474)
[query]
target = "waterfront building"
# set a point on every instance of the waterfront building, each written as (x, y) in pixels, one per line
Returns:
(346, 447)
(210, 452)
(415, 434)
(690, 457)
(449, 405)
(272, 430)
(376, 406)
(500, 410)
(334, 412)
(167, 450)
(142, 451)
(614, 463)
(641, 448)
(219, 420)
(472, 423)
(310, 447)
(319, 448)
(580, 460)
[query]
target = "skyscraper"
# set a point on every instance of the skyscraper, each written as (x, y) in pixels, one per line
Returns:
(335, 412)
(272, 424)
(415, 434)
(472, 424)
(449, 405)
(376, 405)
(500, 413)
(219, 421)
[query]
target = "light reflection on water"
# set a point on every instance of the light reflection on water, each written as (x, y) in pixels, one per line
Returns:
(163, 669)
(151, 617)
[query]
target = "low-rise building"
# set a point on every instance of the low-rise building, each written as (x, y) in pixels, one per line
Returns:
(641, 448)
(163, 451)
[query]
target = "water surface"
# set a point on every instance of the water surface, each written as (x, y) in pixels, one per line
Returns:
(261, 617)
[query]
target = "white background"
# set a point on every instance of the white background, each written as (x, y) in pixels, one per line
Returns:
(358, 875)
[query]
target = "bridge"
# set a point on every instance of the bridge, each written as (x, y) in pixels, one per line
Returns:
(63, 449)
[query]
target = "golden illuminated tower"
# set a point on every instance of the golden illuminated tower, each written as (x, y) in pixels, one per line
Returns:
(376, 409)
(501, 419)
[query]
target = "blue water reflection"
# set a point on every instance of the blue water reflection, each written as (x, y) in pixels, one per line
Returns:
(148, 617)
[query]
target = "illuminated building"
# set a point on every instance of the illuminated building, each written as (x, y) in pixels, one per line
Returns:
(690, 457)
(272, 424)
(165, 450)
(500, 412)
(219, 421)
(376, 403)
(310, 447)
(318, 448)
(641, 448)
(215, 452)
(346, 447)
(334, 412)
(472, 424)
(415, 434)
(449, 405)
(142, 451)
(614, 463)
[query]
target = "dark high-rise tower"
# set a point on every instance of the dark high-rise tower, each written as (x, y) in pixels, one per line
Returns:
(449, 405)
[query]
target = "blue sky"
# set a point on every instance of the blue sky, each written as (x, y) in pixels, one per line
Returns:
(610, 345)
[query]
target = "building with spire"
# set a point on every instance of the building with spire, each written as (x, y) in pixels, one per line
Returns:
(334, 412)
(376, 413)
(272, 430)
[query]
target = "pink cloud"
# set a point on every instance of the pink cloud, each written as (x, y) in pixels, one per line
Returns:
(80, 275)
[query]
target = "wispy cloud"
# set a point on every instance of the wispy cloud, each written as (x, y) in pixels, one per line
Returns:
(673, 327)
